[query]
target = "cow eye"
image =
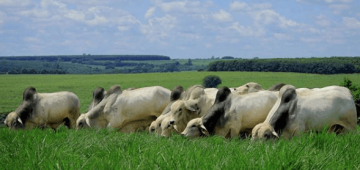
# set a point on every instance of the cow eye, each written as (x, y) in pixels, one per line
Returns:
(193, 126)
(180, 109)
(14, 123)
(267, 136)
(159, 124)
(168, 125)
(81, 124)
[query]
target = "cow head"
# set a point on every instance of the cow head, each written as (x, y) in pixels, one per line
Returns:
(195, 128)
(263, 131)
(248, 88)
(167, 126)
(81, 122)
(155, 126)
(13, 121)
(282, 114)
(17, 119)
(96, 116)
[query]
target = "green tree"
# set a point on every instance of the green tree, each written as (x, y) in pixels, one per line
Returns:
(211, 81)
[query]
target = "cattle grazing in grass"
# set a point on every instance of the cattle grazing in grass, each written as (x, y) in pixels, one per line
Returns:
(232, 114)
(195, 103)
(300, 110)
(127, 111)
(45, 110)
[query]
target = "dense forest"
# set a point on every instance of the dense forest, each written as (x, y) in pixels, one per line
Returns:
(332, 65)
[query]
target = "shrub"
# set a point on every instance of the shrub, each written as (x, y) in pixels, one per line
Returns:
(211, 81)
(355, 90)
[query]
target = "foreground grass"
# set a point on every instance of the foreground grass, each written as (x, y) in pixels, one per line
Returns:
(91, 149)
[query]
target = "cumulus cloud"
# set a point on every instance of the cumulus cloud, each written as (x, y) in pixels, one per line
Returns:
(15, 3)
(351, 22)
(265, 17)
(338, 8)
(246, 30)
(323, 21)
(159, 27)
(150, 12)
(222, 16)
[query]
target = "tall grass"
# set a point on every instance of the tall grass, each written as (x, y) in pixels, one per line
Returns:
(104, 149)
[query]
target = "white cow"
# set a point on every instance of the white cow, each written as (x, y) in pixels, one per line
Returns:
(300, 110)
(232, 114)
(195, 103)
(127, 110)
(44, 110)
(176, 94)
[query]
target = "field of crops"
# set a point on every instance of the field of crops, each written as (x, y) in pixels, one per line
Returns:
(93, 149)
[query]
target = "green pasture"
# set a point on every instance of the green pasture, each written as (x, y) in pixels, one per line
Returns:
(108, 149)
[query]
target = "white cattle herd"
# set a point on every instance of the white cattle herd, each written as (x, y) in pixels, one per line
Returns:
(248, 110)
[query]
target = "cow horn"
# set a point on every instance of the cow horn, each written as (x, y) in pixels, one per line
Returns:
(275, 134)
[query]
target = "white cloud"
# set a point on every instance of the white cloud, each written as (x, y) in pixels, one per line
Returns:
(32, 39)
(239, 6)
(159, 28)
(183, 7)
(310, 40)
(15, 3)
(246, 30)
(338, 8)
(222, 16)
(150, 12)
(325, 1)
(2, 17)
(265, 17)
(338, 1)
(281, 36)
(242, 6)
(323, 21)
(351, 22)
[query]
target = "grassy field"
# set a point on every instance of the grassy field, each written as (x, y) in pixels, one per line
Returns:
(92, 149)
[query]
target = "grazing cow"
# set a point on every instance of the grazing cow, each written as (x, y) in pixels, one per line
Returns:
(127, 111)
(232, 114)
(195, 103)
(176, 94)
(302, 110)
(44, 110)
(250, 87)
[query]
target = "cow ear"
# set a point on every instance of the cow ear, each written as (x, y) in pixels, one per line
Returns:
(204, 130)
(192, 105)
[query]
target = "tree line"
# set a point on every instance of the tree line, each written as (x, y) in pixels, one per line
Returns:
(332, 65)
(86, 57)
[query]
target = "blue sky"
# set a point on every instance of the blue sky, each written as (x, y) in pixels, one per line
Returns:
(181, 29)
